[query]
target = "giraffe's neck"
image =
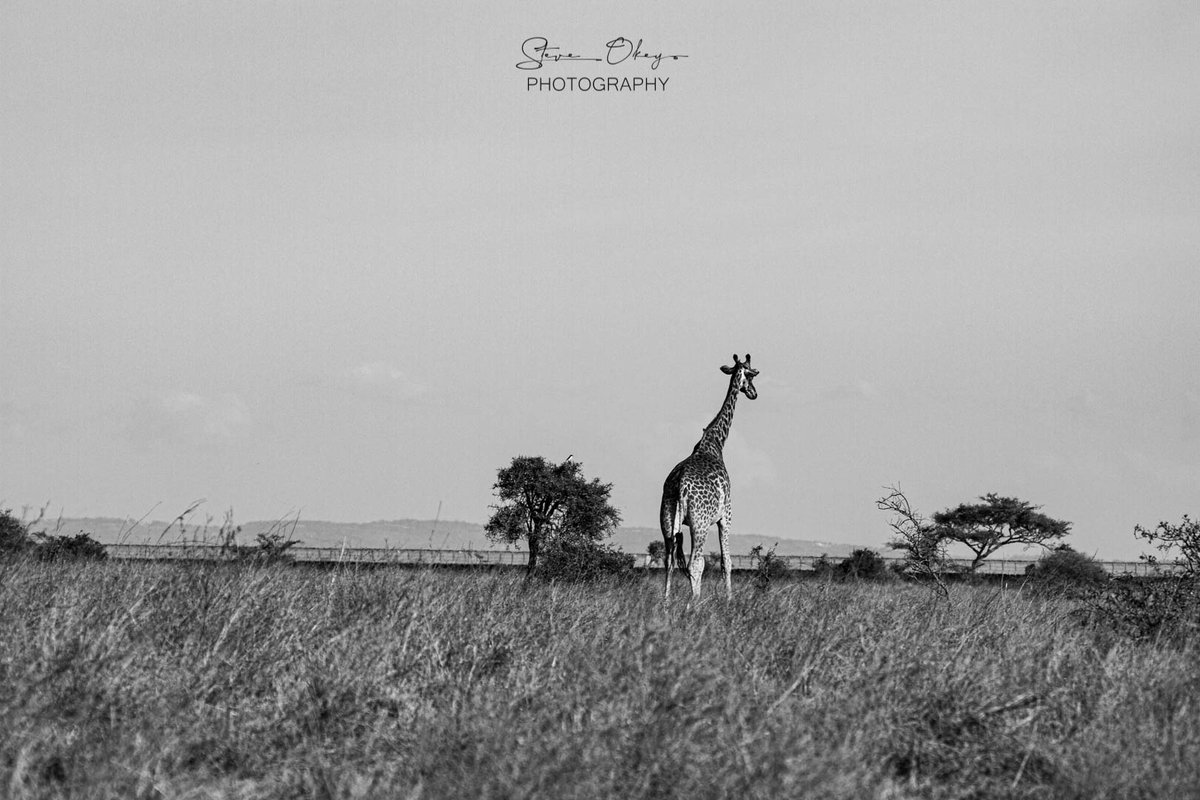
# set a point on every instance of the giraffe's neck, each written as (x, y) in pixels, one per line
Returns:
(713, 439)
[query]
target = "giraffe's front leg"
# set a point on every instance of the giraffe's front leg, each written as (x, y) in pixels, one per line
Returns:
(723, 527)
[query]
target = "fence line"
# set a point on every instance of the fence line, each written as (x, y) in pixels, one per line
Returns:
(416, 556)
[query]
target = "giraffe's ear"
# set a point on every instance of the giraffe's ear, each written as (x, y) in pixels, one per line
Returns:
(727, 370)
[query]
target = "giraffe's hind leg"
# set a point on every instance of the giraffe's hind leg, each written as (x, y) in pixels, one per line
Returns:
(723, 527)
(696, 566)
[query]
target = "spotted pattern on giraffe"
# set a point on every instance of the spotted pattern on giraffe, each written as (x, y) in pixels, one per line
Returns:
(697, 492)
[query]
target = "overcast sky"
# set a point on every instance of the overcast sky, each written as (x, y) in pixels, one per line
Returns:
(336, 259)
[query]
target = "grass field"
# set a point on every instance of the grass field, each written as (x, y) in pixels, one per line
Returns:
(208, 680)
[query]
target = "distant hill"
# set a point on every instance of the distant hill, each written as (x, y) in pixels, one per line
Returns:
(403, 533)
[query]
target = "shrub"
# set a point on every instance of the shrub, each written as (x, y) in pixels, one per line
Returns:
(16, 538)
(1066, 569)
(920, 541)
(269, 548)
(767, 566)
(575, 558)
(824, 567)
(1148, 608)
(863, 564)
(1181, 541)
(657, 551)
(14, 535)
(79, 547)
(1163, 606)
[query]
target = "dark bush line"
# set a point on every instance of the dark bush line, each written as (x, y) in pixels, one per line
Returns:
(80, 547)
(577, 558)
(862, 564)
(1164, 608)
(16, 540)
(1065, 570)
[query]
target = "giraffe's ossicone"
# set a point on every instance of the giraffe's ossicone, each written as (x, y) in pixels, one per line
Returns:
(696, 492)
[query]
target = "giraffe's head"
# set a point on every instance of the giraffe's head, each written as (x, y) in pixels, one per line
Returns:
(743, 374)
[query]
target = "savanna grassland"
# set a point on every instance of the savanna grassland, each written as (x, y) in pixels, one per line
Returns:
(121, 679)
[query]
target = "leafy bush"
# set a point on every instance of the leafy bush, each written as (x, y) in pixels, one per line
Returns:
(1149, 608)
(575, 558)
(16, 538)
(14, 535)
(657, 551)
(863, 564)
(270, 547)
(1066, 569)
(1181, 541)
(767, 566)
(1163, 606)
(79, 547)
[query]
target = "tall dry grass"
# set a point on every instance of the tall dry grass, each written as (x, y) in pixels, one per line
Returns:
(203, 680)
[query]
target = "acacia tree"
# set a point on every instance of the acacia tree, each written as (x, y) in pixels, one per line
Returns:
(540, 500)
(997, 522)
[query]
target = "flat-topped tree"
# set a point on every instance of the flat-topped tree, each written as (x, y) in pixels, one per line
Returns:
(997, 522)
(540, 500)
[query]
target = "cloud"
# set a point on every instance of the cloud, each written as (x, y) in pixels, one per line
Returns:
(378, 378)
(855, 390)
(188, 418)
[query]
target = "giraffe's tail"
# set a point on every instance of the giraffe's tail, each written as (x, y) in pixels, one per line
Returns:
(670, 521)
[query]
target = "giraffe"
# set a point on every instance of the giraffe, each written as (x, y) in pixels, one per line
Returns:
(696, 492)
